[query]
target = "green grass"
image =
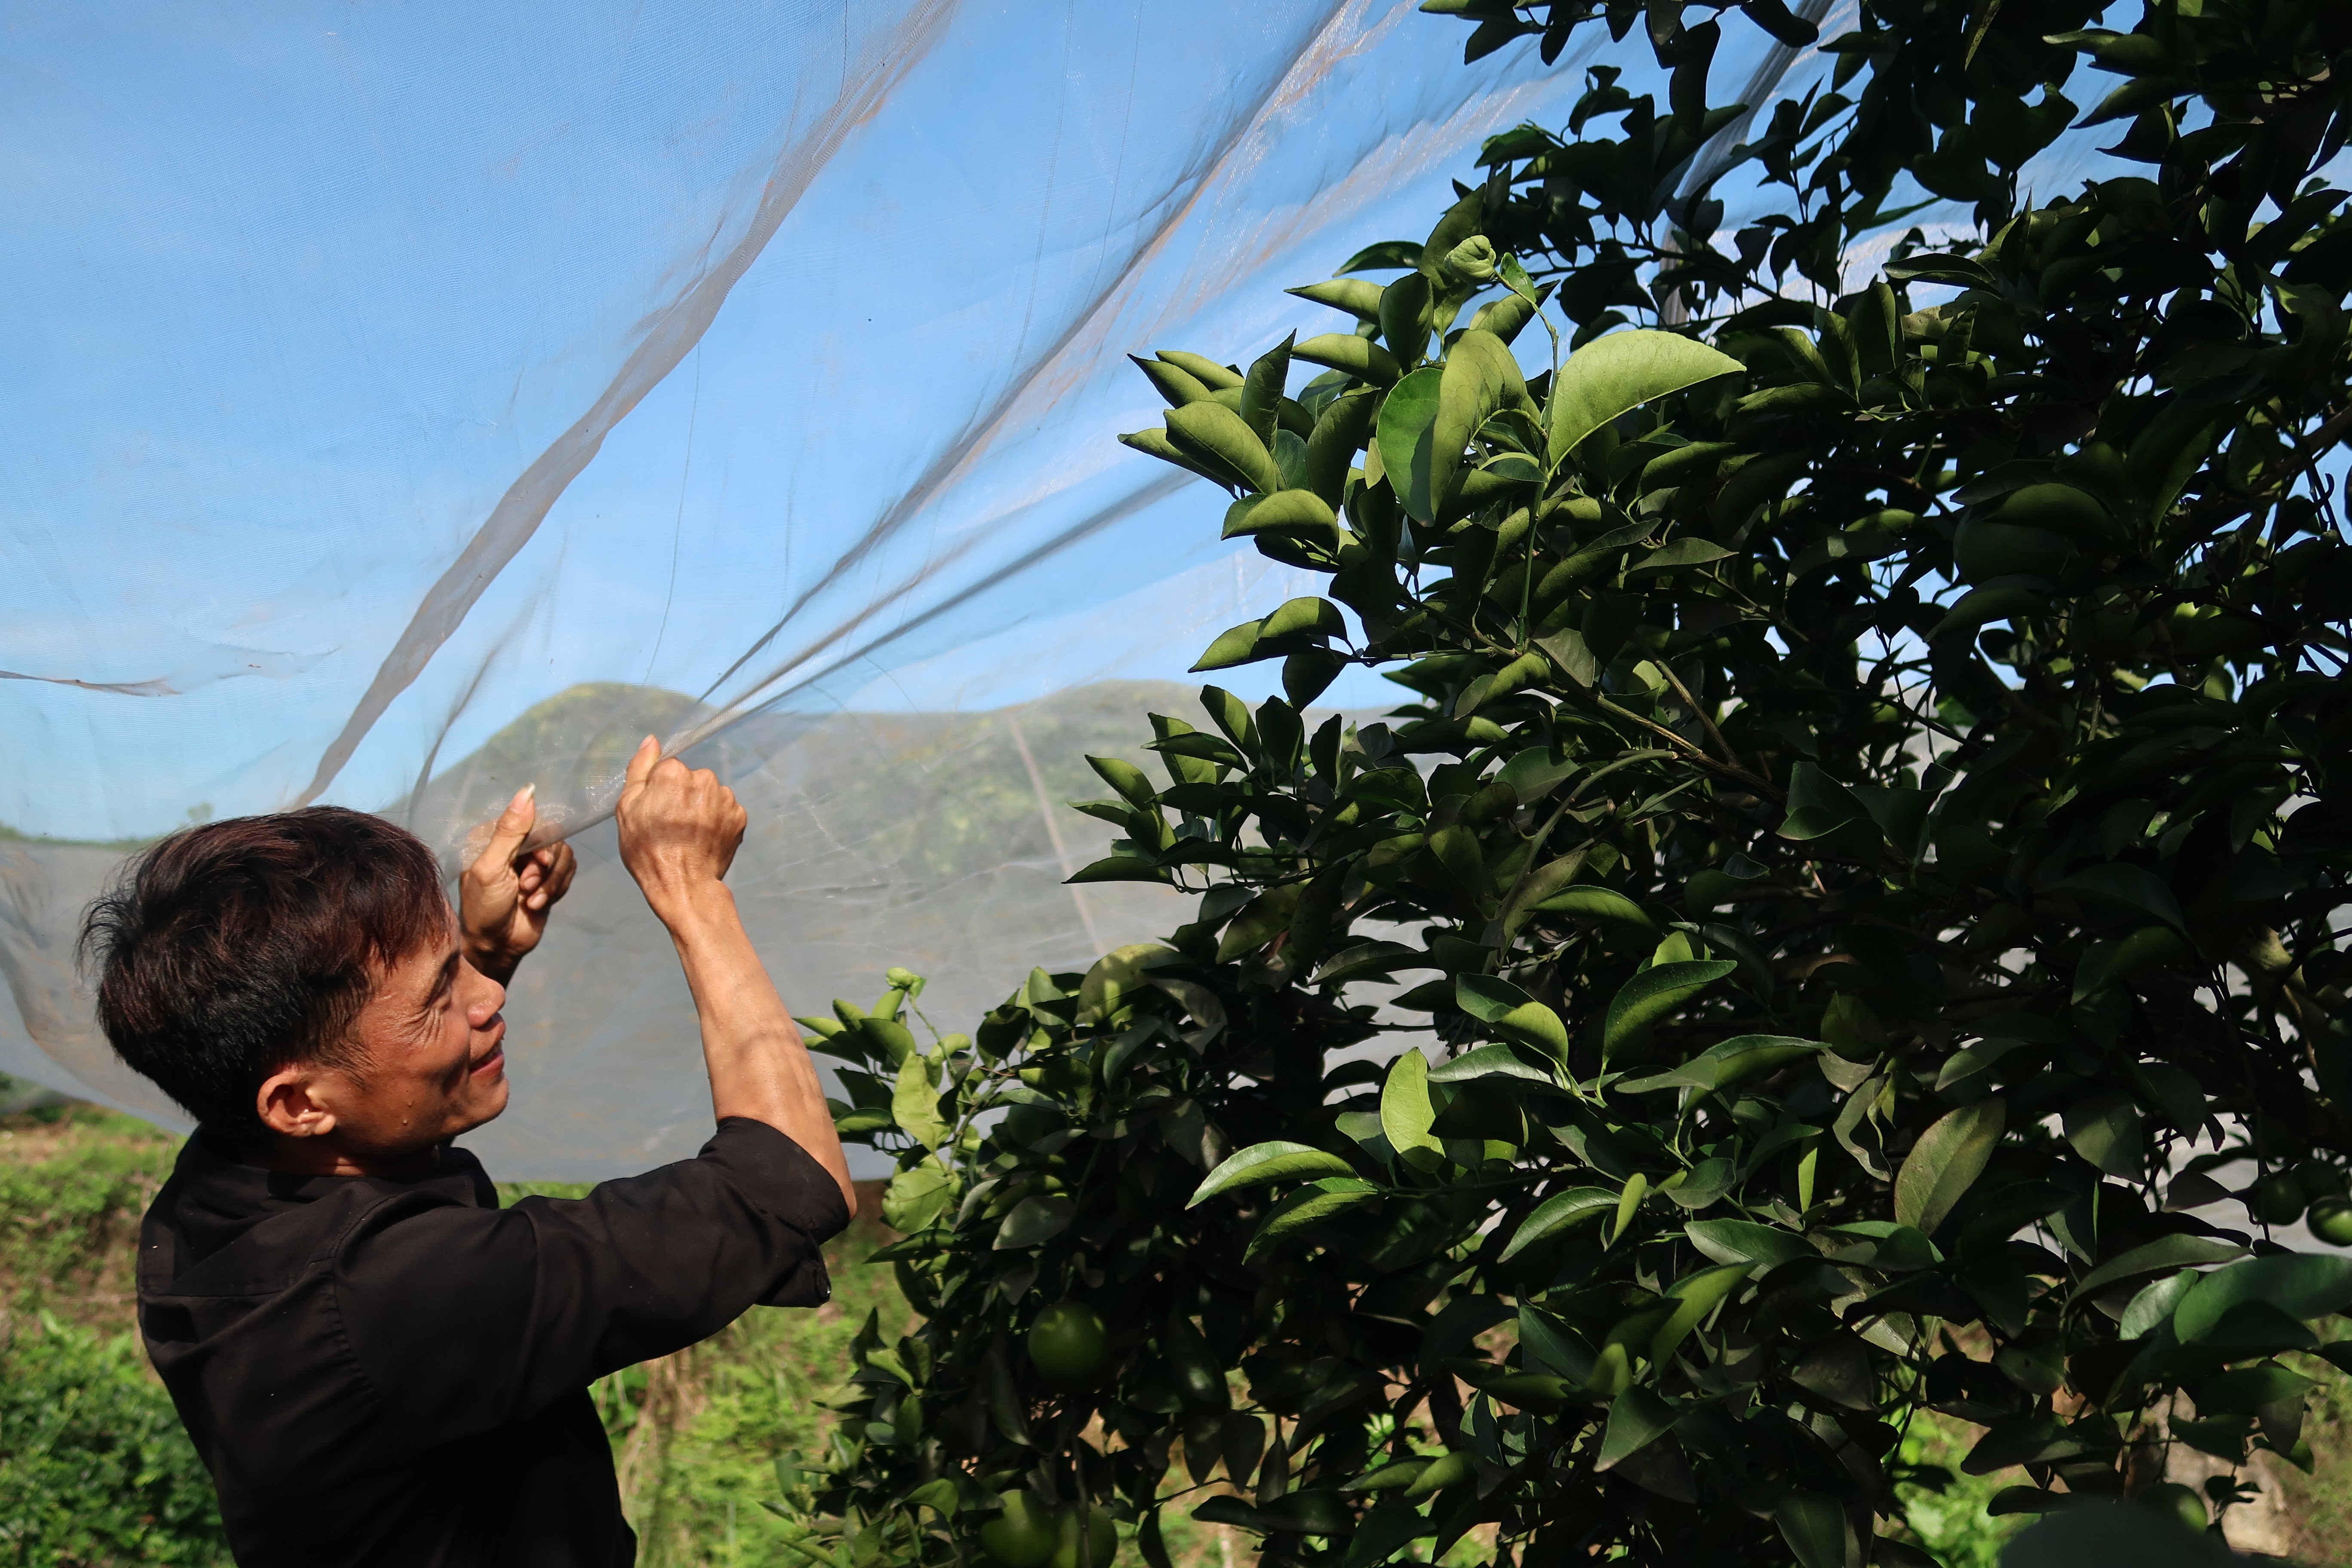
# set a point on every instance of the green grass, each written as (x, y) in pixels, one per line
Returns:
(1950, 1518)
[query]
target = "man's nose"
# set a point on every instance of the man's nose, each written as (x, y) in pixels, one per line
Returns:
(486, 1006)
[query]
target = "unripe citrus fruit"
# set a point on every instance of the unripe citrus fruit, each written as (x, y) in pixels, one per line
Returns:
(2320, 1179)
(2177, 1502)
(1101, 1540)
(2330, 1219)
(1068, 1344)
(2278, 1200)
(1023, 1535)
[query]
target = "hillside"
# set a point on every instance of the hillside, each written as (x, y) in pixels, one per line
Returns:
(922, 840)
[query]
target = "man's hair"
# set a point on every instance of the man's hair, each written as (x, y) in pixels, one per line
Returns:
(229, 951)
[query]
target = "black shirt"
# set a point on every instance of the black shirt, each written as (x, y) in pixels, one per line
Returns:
(395, 1374)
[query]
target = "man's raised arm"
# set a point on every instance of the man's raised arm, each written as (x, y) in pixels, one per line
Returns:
(679, 831)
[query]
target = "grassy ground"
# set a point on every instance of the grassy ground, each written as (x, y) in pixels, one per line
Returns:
(94, 1470)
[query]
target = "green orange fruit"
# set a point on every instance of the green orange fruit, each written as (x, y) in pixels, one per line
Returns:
(1984, 551)
(1023, 1535)
(2330, 1220)
(2278, 1200)
(2320, 1179)
(2061, 509)
(1096, 1549)
(1068, 1343)
(2176, 1501)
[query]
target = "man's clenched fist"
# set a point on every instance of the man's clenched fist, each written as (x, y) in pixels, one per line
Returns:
(504, 897)
(680, 829)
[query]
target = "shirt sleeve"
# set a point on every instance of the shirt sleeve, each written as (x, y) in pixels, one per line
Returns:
(463, 1318)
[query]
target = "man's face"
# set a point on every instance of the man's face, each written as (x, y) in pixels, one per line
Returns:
(432, 1053)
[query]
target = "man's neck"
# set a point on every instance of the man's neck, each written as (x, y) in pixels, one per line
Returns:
(326, 1156)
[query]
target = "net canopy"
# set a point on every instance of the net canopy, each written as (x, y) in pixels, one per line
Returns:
(410, 403)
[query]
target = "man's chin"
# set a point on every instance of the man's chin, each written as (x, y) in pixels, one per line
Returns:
(487, 1105)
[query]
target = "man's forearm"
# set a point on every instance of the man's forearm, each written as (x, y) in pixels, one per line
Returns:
(759, 1067)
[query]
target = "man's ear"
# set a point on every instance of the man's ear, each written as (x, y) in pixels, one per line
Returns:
(287, 1107)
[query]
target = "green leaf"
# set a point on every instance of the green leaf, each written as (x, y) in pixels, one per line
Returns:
(1034, 1221)
(2104, 1129)
(1980, 606)
(1405, 431)
(1479, 376)
(2303, 1285)
(1406, 1115)
(1371, 959)
(1258, 921)
(1814, 1526)
(2116, 885)
(1300, 513)
(1331, 448)
(1592, 903)
(1360, 297)
(1156, 443)
(1619, 372)
(1217, 430)
(916, 1198)
(1385, 1531)
(1359, 357)
(1119, 868)
(1945, 1163)
(1262, 389)
(1511, 1012)
(1316, 1201)
(1637, 1418)
(1115, 979)
(1556, 1214)
(1304, 617)
(1491, 1061)
(2153, 1305)
(2158, 1257)
(1176, 384)
(1974, 1059)
(1445, 1470)
(1201, 367)
(1697, 1296)
(2090, 1534)
(1271, 1161)
(2247, 1389)
(915, 1102)
(1385, 255)
(1629, 1204)
(1745, 1241)
(1655, 993)
(1539, 885)
(1818, 805)
(1687, 551)
(1129, 780)
(1568, 650)
(1727, 1062)
(1959, 270)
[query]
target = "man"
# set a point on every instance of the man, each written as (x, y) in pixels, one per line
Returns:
(380, 1367)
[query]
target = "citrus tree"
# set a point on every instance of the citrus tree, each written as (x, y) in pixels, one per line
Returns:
(1864, 847)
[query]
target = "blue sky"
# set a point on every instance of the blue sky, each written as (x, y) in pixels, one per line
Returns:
(300, 290)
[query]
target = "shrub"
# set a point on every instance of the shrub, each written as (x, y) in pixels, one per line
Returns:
(94, 1467)
(1867, 846)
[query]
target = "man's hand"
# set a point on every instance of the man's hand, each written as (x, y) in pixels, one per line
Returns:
(680, 830)
(504, 897)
